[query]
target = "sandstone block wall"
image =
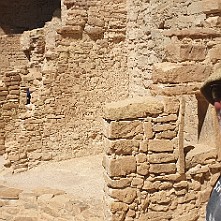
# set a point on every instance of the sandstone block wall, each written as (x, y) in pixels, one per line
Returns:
(173, 45)
(72, 66)
(151, 172)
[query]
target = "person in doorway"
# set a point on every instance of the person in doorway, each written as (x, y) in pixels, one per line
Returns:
(211, 90)
(28, 96)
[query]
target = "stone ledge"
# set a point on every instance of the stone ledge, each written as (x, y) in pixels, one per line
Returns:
(133, 108)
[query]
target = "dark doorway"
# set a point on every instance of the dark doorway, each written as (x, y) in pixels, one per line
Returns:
(18, 16)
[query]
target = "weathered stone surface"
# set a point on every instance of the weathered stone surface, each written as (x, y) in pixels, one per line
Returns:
(143, 169)
(148, 130)
(133, 108)
(176, 73)
(126, 195)
(9, 193)
(193, 33)
(121, 183)
(124, 129)
(212, 6)
(161, 158)
(151, 185)
(162, 168)
(124, 147)
(160, 145)
(121, 166)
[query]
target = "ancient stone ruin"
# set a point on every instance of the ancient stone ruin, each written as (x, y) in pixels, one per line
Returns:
(78, 77)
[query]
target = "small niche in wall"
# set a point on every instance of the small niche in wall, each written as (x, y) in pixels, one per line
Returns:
(18, 16)
(207, 126)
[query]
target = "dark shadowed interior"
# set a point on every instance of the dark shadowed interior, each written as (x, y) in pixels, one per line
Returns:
(22, 15)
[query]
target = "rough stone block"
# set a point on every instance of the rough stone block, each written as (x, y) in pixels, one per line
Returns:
(143, 169)
(117, 184)
(179, 73)
(9, 193)
(141, 158)
(155, 216)
(121, 166)
(143, 146)
(161, 197)
(126, 195)
(123, 129)
(161, 158)
(118, 209)
(133, 108)
(95, 21)
(162, 168)
(215, 53)
(148, 185)
(120, 147)
(93, 31)
(160, 145)
(211, 6)
(185, 52)
(137, 182)
(148, 130)
(164, 127)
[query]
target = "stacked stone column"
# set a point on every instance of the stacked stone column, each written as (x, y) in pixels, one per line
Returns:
(145, 173)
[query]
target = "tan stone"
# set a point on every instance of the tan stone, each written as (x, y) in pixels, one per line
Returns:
(148, 130)
(164, 127)
(161, 197)
(141, 158)
(119, 210)
(166, 135)
(155, 216)
(143, 146)
(93, 31)
(126, 195)
(9, 193)
(160, 145)
(214, 53)
(121, 166)
(187, 198)
(143, 169)
(162, 168)
(137, 182)
(194, 32)
(161, 158)
(211, 6)
(204, 196)
(121, 183)
(151, 185)
(124, 147)
(124, 129)
(133, 108)
(24, 218)
(176, 73)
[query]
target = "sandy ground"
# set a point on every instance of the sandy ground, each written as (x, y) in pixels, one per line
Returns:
(82, 177)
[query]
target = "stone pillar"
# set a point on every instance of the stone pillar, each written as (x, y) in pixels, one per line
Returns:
(143, 154)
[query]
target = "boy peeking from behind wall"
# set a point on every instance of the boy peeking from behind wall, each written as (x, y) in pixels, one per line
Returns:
(211, 90)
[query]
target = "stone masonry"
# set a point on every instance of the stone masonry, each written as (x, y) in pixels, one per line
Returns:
(151, 172)
(72, 65)
(149, 57)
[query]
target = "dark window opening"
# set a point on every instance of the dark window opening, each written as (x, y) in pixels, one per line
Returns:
(18, 16)
(202, 111)
(28, 96)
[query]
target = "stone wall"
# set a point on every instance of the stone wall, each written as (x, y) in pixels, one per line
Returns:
(154, 169)
(173, 45)
(73, 65)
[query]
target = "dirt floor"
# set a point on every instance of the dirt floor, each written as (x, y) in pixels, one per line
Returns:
(82, 177)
